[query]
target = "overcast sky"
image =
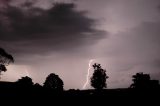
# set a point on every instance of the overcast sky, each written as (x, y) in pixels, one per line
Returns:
(122, 35)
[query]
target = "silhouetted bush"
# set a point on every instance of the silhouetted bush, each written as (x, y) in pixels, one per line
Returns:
(98, 80)
(24, 82)
(53, 82)
(143, 81)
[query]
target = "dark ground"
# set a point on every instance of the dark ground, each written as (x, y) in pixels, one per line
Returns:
(108, 96)
(39, 95)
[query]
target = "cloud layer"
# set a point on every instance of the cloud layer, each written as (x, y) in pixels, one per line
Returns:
(34, 30)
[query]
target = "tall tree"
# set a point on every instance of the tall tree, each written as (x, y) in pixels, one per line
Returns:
(98, 80)
(53, 82)
(5, 59)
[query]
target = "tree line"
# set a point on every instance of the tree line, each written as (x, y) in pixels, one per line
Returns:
(98, 80)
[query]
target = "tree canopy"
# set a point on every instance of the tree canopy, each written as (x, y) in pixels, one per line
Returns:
(25, 82)
(98, 80)
(143, 81)
(5, 59)
(54, 82)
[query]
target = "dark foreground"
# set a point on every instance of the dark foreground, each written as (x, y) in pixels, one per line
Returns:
(111, 96)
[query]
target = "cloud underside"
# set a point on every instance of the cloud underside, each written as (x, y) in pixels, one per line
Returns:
(37, 30)
(138, 49)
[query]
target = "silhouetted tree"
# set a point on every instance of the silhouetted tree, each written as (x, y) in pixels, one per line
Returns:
(5, 59)
(143, 81)
(53, 82)
(25, 82)
(154, 84)
(98, 80)
(36, 85)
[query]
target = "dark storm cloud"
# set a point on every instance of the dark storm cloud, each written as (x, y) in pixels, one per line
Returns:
(30, 29)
